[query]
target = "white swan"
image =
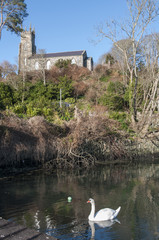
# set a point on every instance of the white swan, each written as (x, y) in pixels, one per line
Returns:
(103, 214)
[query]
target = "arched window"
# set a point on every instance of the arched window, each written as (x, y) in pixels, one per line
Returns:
(36, 65)
(48, 65)
(73, 61)
(25, 61)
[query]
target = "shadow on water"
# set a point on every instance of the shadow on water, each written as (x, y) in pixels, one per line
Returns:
(40, 201)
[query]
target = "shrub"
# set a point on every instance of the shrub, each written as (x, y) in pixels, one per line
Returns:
(70, 100)
(104, 78)
(61, 63)
(65, 84)
(40, 106)
(113, 102)
(52, 91)
(66, 113)
(19, 109)
(80, 89)
(126, 95)
(36, 91)
(116, 88)
(6, 96)
(122, 118)
(118, 116)
(33, 110)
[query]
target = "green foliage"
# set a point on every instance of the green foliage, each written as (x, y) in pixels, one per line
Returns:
(13, 13)
(126, 95)
(39, 106)
(104, 78)
(113, 102)
(33, 109)
(22, 91)
(19, 109)
(52, 91)
(37, 91)
(65, 84)
(49, 91)
(70, 100)
(39, 99)
(6, 96)
(114, 98)
(122, 118)
(116, 88)
(61, 63)
(66, 113)
(118, 116)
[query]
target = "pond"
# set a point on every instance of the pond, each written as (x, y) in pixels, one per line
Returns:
(40, 201)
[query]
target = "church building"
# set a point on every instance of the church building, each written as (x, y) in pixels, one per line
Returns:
(29, 60)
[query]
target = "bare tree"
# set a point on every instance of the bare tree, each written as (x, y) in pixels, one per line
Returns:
(119, 56)
(141, 14)
(149, 81)
(7, 69)
(42, 60)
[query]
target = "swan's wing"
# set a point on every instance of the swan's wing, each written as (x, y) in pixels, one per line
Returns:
(104, 214)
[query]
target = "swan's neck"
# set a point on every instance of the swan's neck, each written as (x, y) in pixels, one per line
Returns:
(92, 213)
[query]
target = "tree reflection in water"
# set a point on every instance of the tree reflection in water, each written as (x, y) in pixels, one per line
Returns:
(40, 201)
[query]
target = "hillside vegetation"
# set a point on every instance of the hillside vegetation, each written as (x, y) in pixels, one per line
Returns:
(90, 122)
(102, 90)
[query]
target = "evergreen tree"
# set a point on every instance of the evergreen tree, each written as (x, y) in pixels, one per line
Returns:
(12, 14)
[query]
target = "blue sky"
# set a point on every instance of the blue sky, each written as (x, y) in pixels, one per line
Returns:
(65, 25)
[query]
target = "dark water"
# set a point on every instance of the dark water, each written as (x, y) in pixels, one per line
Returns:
(40, 201)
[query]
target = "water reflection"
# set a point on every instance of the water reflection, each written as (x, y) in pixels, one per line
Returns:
(40, 201)
(102, 224)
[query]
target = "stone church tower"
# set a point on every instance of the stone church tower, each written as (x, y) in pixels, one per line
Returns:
(27, 49)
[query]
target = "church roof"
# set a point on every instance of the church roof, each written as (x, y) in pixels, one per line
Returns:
(59, 54)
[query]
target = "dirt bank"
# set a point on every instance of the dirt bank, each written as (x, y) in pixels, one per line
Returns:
(34, 142)
(27, 142)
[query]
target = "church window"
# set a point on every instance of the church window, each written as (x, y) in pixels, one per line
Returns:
(25, 61)
(48, 65)
(73, 61)
(36, 65)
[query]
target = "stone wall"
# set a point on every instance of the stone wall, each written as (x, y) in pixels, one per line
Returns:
(26, 48)
(31, 62)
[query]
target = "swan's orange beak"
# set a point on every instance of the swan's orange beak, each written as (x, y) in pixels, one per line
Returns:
(88, 201)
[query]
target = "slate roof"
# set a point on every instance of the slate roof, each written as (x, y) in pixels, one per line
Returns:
(59, 54)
